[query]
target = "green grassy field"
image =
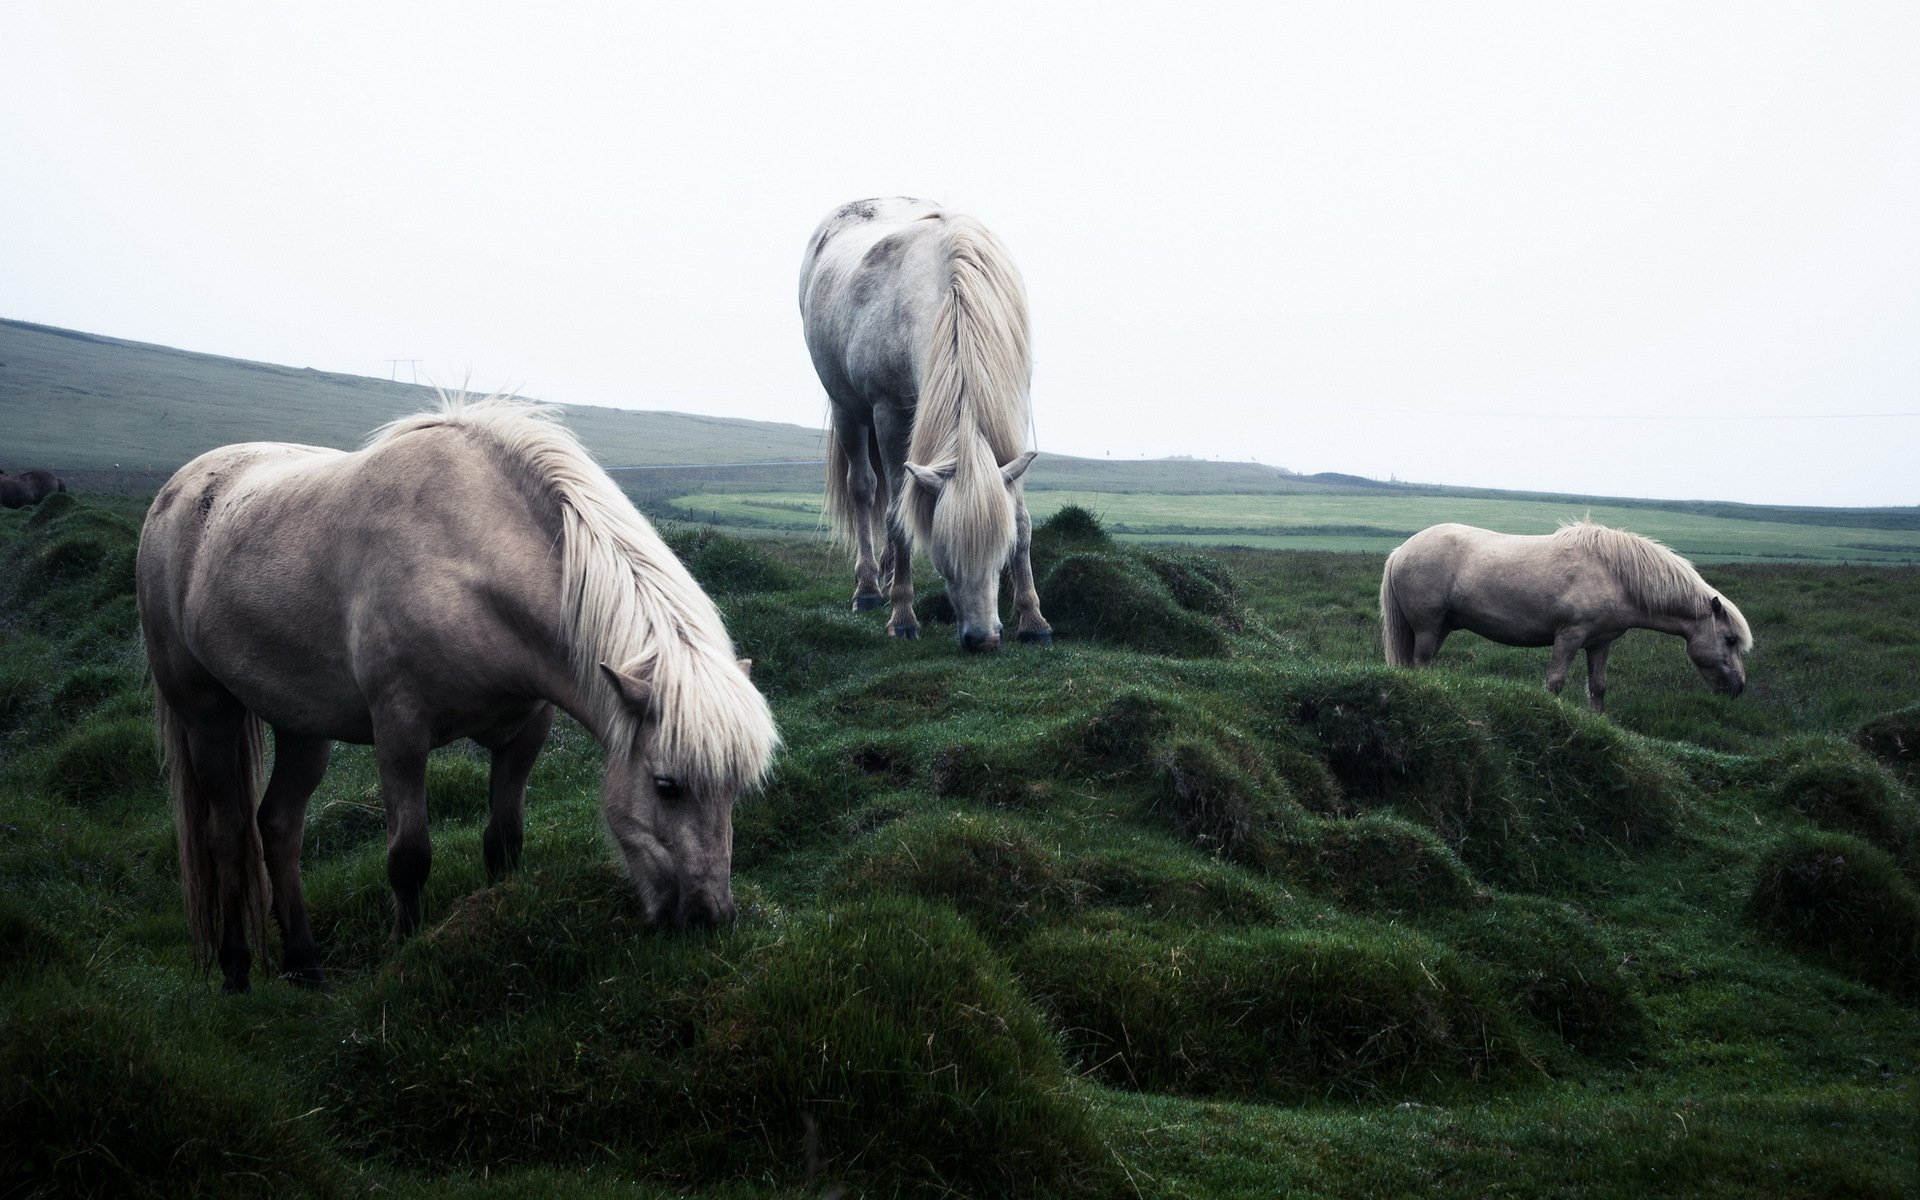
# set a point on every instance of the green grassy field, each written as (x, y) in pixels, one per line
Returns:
(1201, 902)
(1373, 524)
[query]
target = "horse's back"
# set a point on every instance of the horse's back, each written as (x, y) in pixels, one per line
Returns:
(871, 280)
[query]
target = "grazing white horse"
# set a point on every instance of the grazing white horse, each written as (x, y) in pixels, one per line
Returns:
(917, 323)
(462, 576)
(1579, 588)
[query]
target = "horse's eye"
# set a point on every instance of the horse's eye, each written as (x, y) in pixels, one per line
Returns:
(667, 786)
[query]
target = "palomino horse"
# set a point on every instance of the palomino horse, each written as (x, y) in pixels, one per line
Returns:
(461, 576)
(917, 323)
(1577, 589)
(28, 487)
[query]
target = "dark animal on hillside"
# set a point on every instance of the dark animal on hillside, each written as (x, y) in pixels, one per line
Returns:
(917, 323)
(28, 487)
(1577, 589)
(463, 575)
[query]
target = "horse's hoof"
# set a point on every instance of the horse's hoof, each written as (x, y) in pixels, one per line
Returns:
(235, 987)
(868, 603)
(910, 632)
(1036, 637)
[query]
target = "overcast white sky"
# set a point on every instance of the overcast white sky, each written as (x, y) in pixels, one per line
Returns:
(1631, 249)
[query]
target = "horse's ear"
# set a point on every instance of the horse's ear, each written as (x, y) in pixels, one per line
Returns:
(746, 667)
(932, 478)
(634, 690)
(1017, 467)
(1719, 609)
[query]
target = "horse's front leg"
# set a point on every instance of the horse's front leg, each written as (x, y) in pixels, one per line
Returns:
(1029, 624)
(513, 759)
(400, 748)
(1597, 676)
(298, 764)
(903, 624)
(1566, 644)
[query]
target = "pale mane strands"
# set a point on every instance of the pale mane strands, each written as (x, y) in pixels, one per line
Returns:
(972, 412)
(629, 598)
(1655, 577)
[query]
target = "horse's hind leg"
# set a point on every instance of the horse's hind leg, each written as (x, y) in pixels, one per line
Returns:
(1426, 644)
(298, 764)
(862, 489)
(513, 759)
(1029, 624)
(1566, 644)
(400, 747)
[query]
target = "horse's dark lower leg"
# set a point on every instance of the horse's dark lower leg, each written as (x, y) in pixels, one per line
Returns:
(513, 761)
(402, 755)
(298, 764)
(1426, 644)
(1597, 677)
(1029, 624)
(1565, 646)
(862, 492)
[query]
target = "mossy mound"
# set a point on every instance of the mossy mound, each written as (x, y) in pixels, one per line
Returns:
(105, 763)
(1199, 584)
(1119, 739)
(1841, 902)
(1839, 789)
(1551, 964)
(26, 943)
(999, 873)
(1894, 739)
(884, 1032)
(794, 650)
(1221, 806)
(1268, 1014)
(1072, 528)
(95, 1100)
(1108, 598)
(1397, 739)
(1379, 863)
(986, 772)
(725, 566)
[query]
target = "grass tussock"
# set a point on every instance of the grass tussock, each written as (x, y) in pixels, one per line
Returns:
(1842, 903)
(1894, 739)
(1837, 788)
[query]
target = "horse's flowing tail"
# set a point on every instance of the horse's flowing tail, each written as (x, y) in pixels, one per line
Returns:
(1395, 632)
(978, 366)
(193, 816)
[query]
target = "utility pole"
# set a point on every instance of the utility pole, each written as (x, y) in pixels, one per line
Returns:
(413, 368)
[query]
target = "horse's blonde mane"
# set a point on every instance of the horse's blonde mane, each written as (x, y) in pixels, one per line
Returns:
(972, 412)
(628, 601)
(1654, 576)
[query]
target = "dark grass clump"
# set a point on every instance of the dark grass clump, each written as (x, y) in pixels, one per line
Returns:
(560, 1032)
(88, 686)
(26, 942)
(96, 1100)
(1397, 740)
(104, 763)
(892, 1026)
(1841, 903)
(342, 826)
(1838, 789)
(1221, 806)
(1265, 1014)
(1169, 883)
(1067, 531)
(456, 786)
(812, 795)
(1553, 966)
(985, 773)
(1108, 598)
(1894, 739)
(1200, 584)
(1120, 738)
(1379, 863)
(51, 509)
(998, 872)
(726, 566)
(795, 651)
(1587, 780)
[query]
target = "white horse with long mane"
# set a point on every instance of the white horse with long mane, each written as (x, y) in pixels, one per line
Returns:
(465, 574)
(917, 323)
(1579, 588)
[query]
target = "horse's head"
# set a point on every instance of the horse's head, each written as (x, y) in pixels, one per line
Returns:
(973, 531)
(672, 822)
(1715, 644)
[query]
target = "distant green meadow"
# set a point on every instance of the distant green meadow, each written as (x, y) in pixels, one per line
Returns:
(1372, 524)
